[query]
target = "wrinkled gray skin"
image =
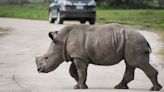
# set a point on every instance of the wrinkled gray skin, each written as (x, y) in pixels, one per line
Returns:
(100, 45)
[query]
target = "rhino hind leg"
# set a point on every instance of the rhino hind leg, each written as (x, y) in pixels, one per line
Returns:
(73, 72)
(128, 76)
(151, 73)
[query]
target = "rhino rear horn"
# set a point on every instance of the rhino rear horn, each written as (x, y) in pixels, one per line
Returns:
(53, 36)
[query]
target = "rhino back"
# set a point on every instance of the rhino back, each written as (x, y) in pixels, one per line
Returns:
(102, 45)
(105, 45)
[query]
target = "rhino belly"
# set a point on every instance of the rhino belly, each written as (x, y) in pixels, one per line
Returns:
(105, 54)
(109, 59)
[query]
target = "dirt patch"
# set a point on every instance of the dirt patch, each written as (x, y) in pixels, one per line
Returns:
(161, 53)
(1, 63)
(4, 31)
(161, 34)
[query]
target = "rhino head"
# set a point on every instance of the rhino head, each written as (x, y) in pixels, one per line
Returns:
(53, 58)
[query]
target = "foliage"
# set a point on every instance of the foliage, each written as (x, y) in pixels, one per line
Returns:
(24, 2)
(16, 2)
(131, 3)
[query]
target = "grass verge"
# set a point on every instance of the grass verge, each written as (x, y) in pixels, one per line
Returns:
(40, 13)
(145, 18)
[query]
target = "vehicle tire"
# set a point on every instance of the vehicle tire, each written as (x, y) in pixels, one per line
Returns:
(50, 19)
(59, 20)
(92, 21)
(82, 21)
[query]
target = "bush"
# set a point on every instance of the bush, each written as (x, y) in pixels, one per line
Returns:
(16, 2)
(130, 3)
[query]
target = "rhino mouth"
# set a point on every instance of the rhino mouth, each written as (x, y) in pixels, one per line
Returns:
(41, 70)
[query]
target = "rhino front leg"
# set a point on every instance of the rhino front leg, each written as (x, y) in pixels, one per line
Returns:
(81, 67)
(128, 76)
(73, 72)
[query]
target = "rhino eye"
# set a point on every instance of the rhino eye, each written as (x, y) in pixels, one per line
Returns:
(46, 57)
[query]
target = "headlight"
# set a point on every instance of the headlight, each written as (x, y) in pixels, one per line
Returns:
(92, 3)
(66, 2)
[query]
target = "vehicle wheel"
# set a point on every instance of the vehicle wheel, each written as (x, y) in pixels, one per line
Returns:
(50, 19)
(59, 20)
(92, 21)
(82, 21)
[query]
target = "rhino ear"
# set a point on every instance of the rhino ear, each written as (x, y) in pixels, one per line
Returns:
(53, 36)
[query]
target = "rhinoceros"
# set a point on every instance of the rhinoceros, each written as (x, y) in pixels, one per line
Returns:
(100, 45)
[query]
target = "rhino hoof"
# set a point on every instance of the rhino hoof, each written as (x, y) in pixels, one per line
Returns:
(76, 86)
(83, 86)
(121, 87)
(156, 88)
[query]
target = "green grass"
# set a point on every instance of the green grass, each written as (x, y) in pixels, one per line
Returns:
(40, 13)
(147, 18)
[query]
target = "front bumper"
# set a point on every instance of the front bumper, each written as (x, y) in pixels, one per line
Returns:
(77, 15)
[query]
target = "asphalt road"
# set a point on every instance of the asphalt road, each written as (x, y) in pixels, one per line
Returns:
(29, 38)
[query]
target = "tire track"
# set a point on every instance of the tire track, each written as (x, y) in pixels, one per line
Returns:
(18, 83)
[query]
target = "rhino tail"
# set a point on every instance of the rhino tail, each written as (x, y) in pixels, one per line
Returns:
(149, 50)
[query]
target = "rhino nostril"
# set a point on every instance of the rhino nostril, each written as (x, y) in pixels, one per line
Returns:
(39, 69)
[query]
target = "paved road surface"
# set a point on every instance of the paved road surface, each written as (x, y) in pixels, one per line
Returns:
(28, 38)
